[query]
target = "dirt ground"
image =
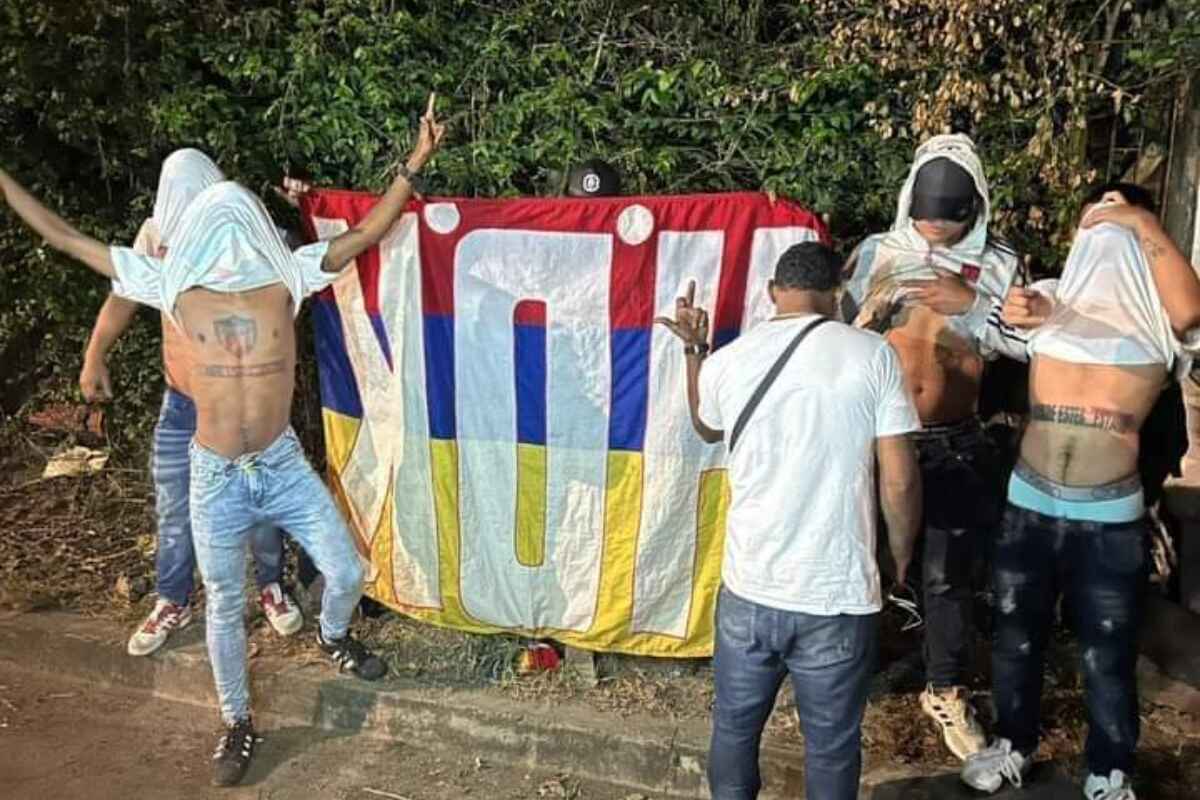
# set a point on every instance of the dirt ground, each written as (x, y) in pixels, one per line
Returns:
(54, 745)
(86, 544)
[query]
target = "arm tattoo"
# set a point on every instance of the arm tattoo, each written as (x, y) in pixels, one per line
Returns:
(247, 371)
(1102, 418)
(237, 335)
(1152, 248)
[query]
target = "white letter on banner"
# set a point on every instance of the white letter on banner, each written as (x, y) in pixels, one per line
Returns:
(768, 245)
(570, 272)
(673, 455)
(392, 445)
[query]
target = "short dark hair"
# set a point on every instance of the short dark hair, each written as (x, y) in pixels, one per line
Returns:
(1136, 195)
(809, 265)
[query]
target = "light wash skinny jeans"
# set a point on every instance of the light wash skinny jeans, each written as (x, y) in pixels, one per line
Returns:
(229, 499)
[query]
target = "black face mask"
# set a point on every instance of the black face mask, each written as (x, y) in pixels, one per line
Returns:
(944, 190)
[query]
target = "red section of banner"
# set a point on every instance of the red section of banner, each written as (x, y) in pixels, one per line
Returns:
(737, 214)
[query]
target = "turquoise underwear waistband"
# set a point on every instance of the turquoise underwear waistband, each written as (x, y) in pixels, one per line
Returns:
(1120, 501)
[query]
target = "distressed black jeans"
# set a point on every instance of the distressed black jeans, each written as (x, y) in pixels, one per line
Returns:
(962, 476)
(1101, 570)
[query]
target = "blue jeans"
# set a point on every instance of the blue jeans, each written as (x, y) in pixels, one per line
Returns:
(1101, 569)
(231, 497)
(176, 559)
(830, 660)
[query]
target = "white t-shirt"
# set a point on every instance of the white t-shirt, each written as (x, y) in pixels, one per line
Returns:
(801, 526)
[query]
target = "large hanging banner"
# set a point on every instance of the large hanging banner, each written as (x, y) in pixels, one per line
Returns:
(508, 431)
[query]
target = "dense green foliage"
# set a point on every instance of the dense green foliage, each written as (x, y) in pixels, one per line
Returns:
(822, 101)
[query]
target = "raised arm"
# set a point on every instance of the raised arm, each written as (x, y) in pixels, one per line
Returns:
(367, 233)
(1174, 278)
(691, 326)
(57, 232)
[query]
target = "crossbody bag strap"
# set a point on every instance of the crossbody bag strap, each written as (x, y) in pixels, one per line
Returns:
(770, 377)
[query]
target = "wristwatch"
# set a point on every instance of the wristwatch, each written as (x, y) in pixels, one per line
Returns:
(696, 349)
(414, 180)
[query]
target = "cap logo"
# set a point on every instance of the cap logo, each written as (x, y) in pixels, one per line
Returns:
(591, 183)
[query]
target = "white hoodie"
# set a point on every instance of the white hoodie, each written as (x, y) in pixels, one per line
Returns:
(871, 290)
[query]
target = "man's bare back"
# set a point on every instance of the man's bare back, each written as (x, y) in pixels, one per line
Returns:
(241, 355)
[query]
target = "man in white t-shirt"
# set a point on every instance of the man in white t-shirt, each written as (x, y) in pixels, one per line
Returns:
(801, 589)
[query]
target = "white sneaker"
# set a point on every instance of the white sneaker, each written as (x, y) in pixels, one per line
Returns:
(281, 611)
(153, 632)
(1114, 787)
(987, 769)
(952, 712)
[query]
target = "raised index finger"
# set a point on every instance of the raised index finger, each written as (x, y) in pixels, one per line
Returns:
(432, 100)
(691, 293)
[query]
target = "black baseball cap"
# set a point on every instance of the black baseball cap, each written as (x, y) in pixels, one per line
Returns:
(943, 190)
(593, 178)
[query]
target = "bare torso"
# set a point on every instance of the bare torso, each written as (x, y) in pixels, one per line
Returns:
(1084, 419)
(239, 357)
(941, 369)
(176, 354)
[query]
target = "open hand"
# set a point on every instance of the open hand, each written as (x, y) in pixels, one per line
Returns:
(947, 293)
(1026, 308)
(690, 323)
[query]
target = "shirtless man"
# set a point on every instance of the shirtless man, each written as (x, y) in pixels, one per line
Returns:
(1103, 341)
(185, 173)
(232, 289)
(930, 285)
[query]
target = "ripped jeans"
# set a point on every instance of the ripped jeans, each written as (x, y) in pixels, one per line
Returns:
(1101, 571)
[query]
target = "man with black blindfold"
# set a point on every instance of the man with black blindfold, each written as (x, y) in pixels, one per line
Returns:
(930, 285)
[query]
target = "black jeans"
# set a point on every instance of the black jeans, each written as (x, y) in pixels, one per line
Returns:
(962, 474)
(1101, 569)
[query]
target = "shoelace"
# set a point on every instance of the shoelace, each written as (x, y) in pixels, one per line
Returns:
(1010, 770)
(1115, 793)
(904, 598)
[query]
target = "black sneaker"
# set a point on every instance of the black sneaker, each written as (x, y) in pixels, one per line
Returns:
(234, 751)
(350, 654)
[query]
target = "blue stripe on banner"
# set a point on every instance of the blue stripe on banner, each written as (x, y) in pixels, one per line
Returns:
(381, 336)
(529, 358)
(439, 375)
(630, 385)
(724, 337)
(339, 389)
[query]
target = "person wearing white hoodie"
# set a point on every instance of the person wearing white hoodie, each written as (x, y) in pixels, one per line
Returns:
(185, 173)
(930, 285)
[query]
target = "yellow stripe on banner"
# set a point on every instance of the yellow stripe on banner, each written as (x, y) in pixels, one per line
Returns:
(531, 505)
(712, 510)
(622, 514)
(614, 605)
(383, 580)
(341, 432)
